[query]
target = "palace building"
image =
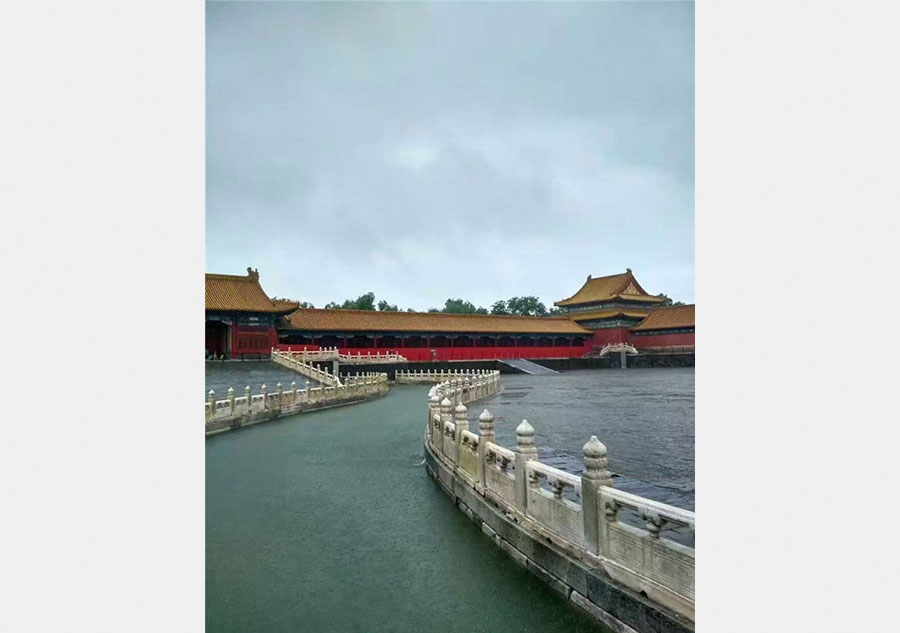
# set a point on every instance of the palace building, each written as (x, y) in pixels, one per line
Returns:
(665, 329)
(436, 335)
(241, 320)
(609, 306)
(240, 317)
(617, 309)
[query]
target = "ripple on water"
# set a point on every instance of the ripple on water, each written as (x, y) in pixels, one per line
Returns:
(645, 417)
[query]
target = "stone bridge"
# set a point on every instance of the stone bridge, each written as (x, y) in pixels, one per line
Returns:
(302, 364)
(332, 354)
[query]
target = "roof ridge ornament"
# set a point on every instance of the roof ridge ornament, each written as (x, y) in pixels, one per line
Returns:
(253, 274)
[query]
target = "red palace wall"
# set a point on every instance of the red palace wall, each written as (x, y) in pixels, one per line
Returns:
(252, 339)
(663, 340)
(623, 335)
(610, 335)
(420, 354)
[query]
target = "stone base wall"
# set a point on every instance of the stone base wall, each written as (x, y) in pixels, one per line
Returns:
(621, 609)
(612, 361)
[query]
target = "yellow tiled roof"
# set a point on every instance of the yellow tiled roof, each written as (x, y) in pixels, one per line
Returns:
(670, 317)
(372, 321)
(621, 286)
(233, 293)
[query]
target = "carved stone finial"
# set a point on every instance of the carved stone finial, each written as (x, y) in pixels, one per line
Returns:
(525, 439)
(230, 391)
(595, 462)
(594, 448)
(461, 409)
(525, 429)
(486, 425)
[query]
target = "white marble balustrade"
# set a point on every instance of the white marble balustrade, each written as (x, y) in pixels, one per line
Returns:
(585, 521)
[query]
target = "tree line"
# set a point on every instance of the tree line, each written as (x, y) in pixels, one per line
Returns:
(518, 306)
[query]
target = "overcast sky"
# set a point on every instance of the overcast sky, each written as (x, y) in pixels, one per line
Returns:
(430, 151)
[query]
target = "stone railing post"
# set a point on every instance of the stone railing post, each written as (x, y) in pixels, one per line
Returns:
(486, 434)
(248, 395)
(462, 424)
(279, 391)
(595, 475)
(265, 398)
(211, 398)
(446, 412)
(525, 452)
(434, 408)
(293, 392)
(231, 399)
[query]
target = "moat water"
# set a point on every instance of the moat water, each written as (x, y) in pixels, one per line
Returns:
(239, 374)
(645, 417)
(327, 521)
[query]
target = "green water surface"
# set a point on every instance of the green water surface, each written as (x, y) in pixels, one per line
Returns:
(327, 521)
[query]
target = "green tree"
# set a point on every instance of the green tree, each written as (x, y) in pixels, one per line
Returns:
(362, 302)
(499, 307)
(526, 306)
(667, 301)
(384, 306)
(459, 306)
(303, 304)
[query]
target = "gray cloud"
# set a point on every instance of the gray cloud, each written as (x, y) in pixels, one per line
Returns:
(435, 150)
